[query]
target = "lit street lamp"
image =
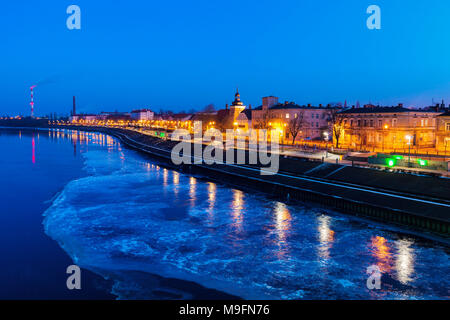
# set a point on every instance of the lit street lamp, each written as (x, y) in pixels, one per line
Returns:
(385, 128)
(326, 137)
(408, 137)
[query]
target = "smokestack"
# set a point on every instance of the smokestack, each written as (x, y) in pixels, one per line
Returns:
(74, 110)
(32, 101)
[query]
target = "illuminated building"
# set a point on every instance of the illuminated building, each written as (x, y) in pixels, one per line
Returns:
(222, 119)
(244, 119)
(227, 118)
(443, 132)
(388, 128)
(142, 114)
(313, 120)
(237, 106)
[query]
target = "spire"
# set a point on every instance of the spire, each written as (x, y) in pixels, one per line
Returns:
(237, 99)
(237, 96)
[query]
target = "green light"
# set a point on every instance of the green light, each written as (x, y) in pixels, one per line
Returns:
(390, 162)
(156, 133)
(422, 162)
(162, 134)
(398, 157)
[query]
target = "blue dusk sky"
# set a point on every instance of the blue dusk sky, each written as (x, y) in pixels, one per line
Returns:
(181, 55)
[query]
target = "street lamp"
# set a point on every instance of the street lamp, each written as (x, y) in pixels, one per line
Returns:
(326, 137)
(385, 128)
(445, 148)
(408, 137)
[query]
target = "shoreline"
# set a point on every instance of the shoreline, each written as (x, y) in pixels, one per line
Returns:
(428, 218)
(420, 214)
(147, 275)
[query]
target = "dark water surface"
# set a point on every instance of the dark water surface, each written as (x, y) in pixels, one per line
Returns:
(158, 233)
(34, 167)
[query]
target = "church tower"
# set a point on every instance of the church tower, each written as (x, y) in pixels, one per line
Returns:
(237, 106)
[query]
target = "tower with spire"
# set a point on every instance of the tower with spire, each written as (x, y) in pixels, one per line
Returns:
(237, 106)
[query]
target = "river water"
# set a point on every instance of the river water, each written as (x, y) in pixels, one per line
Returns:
(157, 233)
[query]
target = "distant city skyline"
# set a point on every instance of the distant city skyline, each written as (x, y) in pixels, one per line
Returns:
(181, 56)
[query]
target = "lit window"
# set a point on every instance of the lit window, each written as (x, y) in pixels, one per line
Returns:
(287, 115)
(447, 127)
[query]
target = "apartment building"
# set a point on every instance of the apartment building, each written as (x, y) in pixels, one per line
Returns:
(443, 132)
(314, 121)
(388, 128)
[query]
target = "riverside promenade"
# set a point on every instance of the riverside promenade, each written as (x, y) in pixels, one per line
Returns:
(420, 203)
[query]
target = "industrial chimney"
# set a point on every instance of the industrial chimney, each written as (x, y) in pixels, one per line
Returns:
(32, 101)
(74, 110)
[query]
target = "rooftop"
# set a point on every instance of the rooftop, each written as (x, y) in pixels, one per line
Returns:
(292, 105)
(373, 109)
(141, 110)
(445, 114)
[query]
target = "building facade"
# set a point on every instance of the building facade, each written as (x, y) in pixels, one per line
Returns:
(244, 120)
(443, 132)
(312, 122)
(142, 114)
(376, 128)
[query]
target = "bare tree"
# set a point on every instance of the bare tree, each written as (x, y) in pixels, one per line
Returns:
(295, 125)
(209, 108)
(337, 121)
(263, 121)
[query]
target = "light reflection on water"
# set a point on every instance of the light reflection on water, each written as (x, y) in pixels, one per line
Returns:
(395, 256)
(404, 263)
(165, 177)
(192, 190)
(326, 238)
(211, 202)
(283, 226)
(312, 250)
(383, 254)
(176, 183)
(237, 206)
(33, 150)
